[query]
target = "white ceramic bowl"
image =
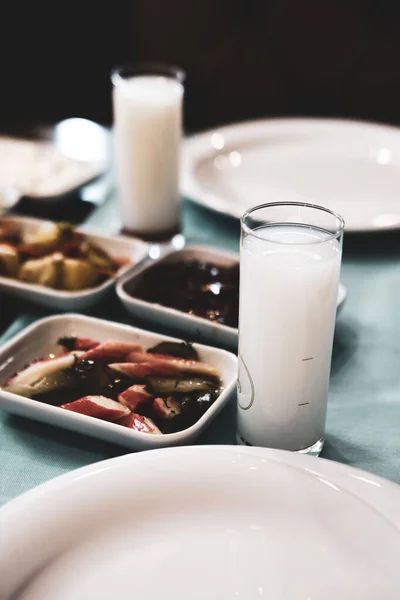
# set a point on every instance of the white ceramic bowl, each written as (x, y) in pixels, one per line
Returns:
(121, 246)
(192, 327)
(35, 341)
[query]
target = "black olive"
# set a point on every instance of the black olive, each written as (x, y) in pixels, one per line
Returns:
(68, 343)
(177, 349)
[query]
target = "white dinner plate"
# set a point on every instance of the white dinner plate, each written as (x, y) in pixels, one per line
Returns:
(223, 523)
(49, 171)
(350, 167)
(37, 341)
(190, 326)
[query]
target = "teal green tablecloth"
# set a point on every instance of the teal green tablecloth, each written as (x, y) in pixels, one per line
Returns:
(363, 427)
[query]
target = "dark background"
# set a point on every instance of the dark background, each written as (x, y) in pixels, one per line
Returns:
(244, 58)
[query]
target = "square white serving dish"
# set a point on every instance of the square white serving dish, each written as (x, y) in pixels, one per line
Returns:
(39, 338)
(192, 327)
(134, 249)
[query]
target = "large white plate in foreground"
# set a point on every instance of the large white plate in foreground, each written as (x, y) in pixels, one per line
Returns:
(206, 522)
(351, 167)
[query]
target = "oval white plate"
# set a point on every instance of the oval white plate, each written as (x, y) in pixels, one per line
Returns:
(48, 171)
(38, 339)
(350, 167)
(206, 522)
(189, 325)
(117, 246)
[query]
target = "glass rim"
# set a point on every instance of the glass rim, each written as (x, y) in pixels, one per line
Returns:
(122, 72)
(332, 235)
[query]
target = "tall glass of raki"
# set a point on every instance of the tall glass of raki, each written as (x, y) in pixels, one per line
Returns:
(290, 259)
(147, 108)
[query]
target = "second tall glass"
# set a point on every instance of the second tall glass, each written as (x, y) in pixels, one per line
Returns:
(290, 260)
(147, 104)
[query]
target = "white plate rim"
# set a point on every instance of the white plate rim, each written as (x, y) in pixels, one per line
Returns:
(197, 145)
(316, 465)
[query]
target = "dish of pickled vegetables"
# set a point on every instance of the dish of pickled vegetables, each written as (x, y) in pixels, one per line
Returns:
(54, 255)
(163, 389)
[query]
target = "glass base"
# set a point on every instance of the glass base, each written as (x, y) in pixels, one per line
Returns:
(161, 236)
(158, 249)
(314, 450)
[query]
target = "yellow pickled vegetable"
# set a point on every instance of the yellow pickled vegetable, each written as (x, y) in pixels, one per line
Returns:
(43, 239)
(77, 274)
(9, 260)
(45, 271)
(97, 256)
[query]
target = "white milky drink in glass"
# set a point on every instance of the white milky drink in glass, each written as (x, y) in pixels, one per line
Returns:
(147, 107)
(290, 261)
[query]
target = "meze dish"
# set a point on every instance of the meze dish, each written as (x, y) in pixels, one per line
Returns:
(163, 389)
(198, 287)
(54, 255)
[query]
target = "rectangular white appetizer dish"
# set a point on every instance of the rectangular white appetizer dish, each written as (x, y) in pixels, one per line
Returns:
(208, 381)
(131, 250)
(191, 326)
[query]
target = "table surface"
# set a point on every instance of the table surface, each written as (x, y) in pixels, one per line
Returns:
(363, 425)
